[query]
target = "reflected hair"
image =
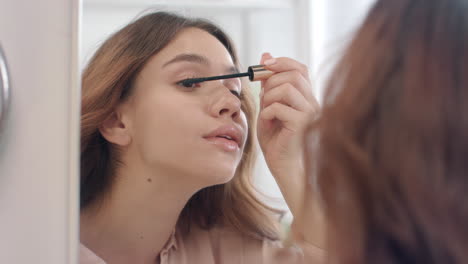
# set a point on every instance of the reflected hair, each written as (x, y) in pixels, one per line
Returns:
(107, 81)
(392, 145)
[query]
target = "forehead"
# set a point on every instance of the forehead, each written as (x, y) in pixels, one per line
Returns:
(196, 41)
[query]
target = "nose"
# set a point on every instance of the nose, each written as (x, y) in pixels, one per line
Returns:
(225, 104)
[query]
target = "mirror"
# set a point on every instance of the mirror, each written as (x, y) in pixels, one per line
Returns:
(253, 25)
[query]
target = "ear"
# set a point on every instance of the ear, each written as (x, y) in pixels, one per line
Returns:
(115, 129)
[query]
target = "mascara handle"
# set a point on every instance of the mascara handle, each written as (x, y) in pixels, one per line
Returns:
(258, 72)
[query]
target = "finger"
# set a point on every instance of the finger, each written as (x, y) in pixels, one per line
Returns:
(292, 77)
(265, 56)
(286, 64)
(288, 95)
(291, 118)
(261, 98)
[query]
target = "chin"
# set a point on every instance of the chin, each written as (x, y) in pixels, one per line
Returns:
(214, 175)
(208, 170)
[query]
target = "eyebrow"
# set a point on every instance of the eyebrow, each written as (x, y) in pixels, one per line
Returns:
(198, 59)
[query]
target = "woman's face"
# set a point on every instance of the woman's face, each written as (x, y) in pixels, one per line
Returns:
(198, 132)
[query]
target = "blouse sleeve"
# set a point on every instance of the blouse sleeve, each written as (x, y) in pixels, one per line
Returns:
(277, 252)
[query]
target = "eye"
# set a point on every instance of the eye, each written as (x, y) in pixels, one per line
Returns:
(187, 83)
(234, 86)
(236, 93)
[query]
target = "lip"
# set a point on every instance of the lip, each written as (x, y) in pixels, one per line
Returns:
(234, 132)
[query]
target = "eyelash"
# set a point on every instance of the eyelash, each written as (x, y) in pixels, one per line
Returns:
(181, 82)
(234, 92)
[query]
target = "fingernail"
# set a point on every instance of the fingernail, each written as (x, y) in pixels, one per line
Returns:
(270, 61)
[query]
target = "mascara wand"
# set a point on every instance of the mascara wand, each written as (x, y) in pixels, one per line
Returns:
(255, 73)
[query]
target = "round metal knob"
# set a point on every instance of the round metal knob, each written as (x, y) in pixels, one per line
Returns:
(4, 89)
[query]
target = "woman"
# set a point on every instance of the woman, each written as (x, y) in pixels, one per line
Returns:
(390, 147)
(166, 168)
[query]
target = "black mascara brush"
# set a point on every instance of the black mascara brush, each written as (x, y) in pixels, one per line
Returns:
(255, 73)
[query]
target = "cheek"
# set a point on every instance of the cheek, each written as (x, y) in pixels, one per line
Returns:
(244, 123)
(160, 119)
(160, 133)
(165, 121)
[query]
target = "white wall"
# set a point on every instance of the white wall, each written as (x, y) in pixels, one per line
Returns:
(333, 25)
(253, 31)
(39, 147)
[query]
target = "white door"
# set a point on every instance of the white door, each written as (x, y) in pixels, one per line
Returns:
(39, 142)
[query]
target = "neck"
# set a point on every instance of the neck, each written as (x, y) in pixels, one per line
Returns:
(137, 217)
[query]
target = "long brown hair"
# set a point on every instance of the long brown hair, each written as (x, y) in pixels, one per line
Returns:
(390, 150)
(108, 81)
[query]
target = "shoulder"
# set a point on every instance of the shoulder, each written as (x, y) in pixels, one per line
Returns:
(86, 256)
(224, 243)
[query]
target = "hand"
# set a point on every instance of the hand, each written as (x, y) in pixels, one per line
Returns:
(286, 107)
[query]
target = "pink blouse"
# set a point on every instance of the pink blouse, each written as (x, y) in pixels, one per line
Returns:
(223, 245)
